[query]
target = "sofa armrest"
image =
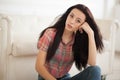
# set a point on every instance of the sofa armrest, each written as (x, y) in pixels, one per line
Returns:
(4, 42)
(106, 58)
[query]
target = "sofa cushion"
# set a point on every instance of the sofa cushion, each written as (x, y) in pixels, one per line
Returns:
(105, 28)
(24, 45)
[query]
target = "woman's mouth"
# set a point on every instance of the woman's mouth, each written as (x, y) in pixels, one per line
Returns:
(69, 26)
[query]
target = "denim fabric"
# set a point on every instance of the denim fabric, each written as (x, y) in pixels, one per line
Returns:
(90, 73)
(66, 77)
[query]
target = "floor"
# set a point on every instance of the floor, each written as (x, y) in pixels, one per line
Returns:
(116, 68)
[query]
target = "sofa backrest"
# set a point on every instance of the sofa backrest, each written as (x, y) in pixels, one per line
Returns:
(105, 27)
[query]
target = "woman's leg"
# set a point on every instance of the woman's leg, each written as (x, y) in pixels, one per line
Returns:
(66, 77)
(40, 78)
(90, 73)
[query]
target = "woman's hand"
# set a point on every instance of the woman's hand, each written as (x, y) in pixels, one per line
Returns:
(85, 26)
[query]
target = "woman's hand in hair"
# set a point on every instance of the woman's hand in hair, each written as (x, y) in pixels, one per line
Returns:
(86, 27)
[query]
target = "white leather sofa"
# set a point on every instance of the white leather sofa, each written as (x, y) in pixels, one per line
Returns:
(18, 39)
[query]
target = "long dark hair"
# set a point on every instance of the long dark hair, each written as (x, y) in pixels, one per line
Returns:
(80, 46)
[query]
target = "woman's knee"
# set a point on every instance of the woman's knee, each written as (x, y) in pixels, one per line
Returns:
(95, 70)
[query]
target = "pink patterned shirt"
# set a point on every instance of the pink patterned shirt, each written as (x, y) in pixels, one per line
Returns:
(62, 61)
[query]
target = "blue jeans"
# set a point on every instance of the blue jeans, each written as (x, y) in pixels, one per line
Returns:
(90, 73)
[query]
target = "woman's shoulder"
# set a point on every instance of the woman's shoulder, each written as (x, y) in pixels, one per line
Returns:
(50, 31)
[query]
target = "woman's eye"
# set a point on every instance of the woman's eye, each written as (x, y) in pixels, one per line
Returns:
(71, 16)
(78, 21)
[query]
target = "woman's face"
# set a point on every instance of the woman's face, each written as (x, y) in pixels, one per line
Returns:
(74, 20)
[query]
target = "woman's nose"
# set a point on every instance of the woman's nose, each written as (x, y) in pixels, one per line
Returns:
(73, 21)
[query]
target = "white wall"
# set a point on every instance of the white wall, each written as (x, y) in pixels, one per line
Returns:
(54, 7)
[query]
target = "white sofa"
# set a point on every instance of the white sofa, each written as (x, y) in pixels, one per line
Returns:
(18, 39)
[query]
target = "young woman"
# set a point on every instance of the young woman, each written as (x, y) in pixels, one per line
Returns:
(75, 37)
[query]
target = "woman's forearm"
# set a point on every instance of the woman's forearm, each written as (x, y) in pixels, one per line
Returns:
(92, 50)
(44, 73)
(40, 66)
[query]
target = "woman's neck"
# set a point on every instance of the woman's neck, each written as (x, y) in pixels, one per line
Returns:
(67, 36)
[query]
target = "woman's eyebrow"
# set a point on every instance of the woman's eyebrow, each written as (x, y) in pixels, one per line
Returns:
(77, 17)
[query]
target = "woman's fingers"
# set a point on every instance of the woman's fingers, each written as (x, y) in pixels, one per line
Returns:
(85, 26)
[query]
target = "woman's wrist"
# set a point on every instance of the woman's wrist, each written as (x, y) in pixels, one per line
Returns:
(91, 34)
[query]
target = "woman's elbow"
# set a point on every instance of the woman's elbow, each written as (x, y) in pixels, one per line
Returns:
(92, 63)
(36, 68)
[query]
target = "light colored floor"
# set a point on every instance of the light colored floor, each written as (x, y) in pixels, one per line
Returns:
(116, 68)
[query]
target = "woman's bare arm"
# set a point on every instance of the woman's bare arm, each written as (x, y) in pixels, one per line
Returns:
(92, 52)
(40, 66)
